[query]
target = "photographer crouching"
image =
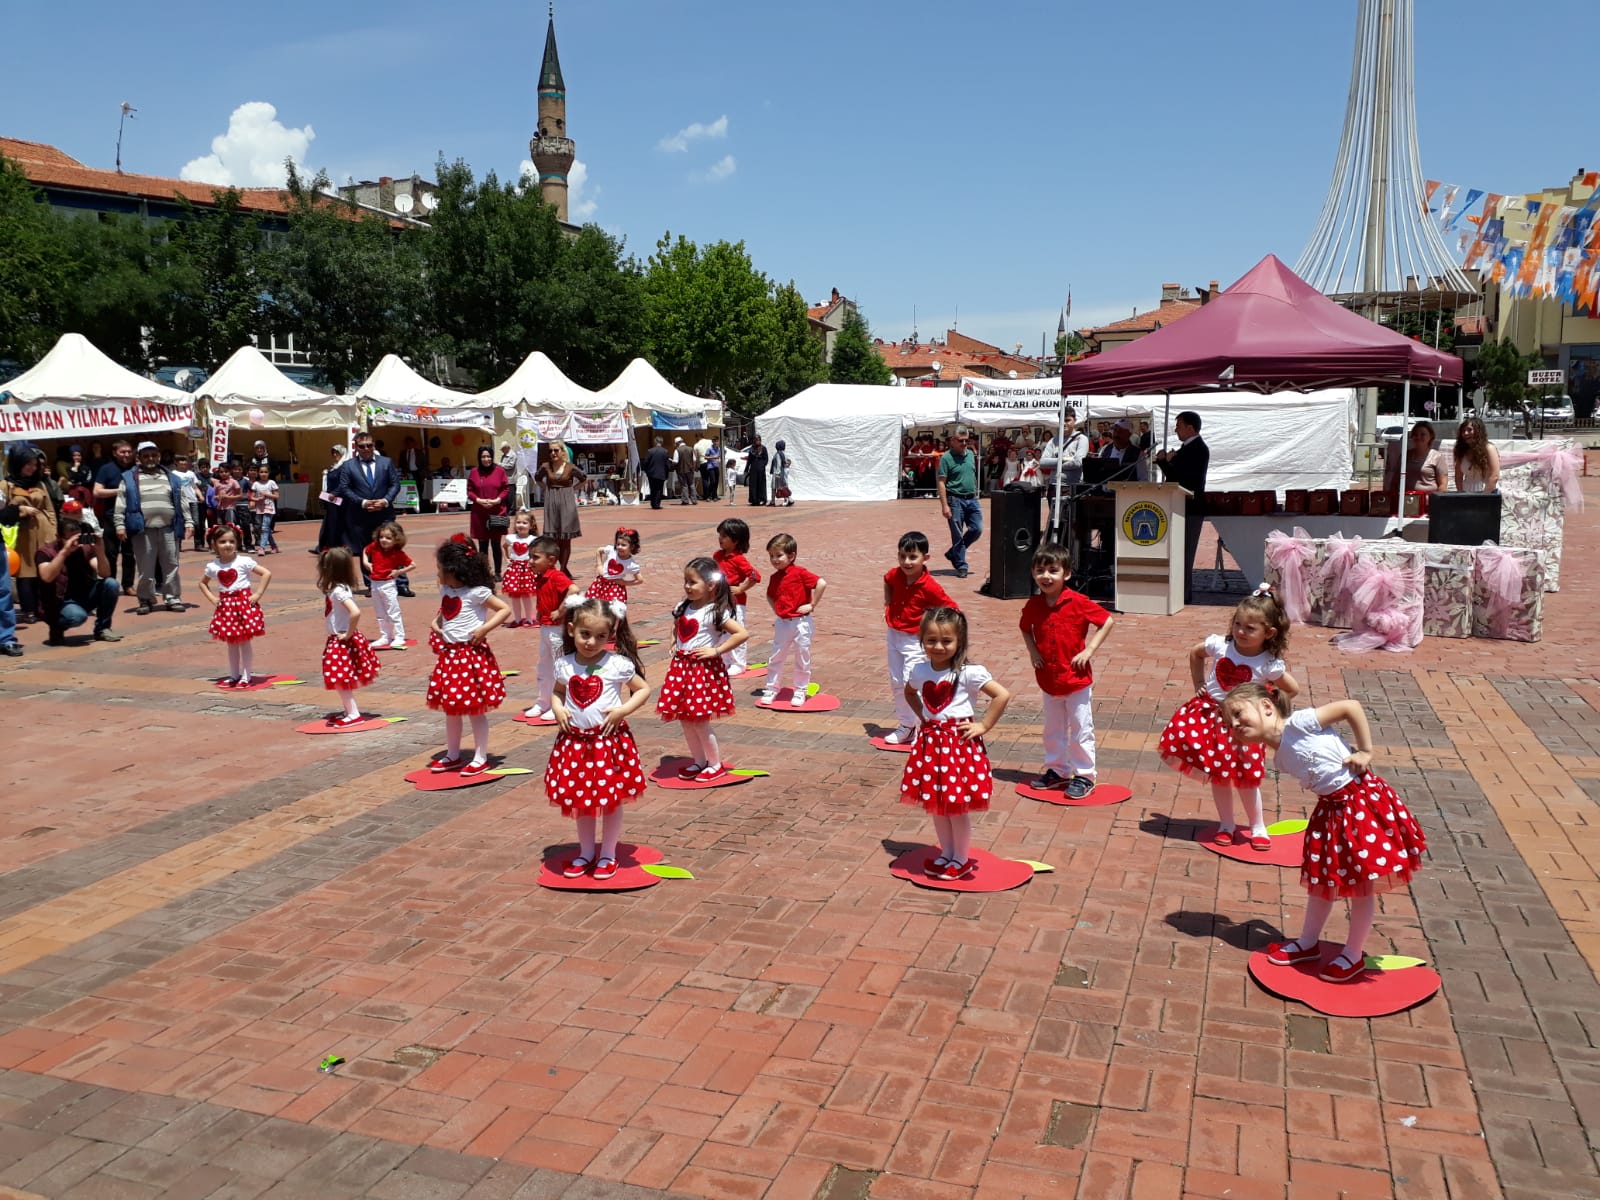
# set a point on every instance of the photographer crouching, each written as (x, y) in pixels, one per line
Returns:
(75, 578)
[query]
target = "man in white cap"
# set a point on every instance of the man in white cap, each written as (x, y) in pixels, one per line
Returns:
(1125, 450)
(149, 512)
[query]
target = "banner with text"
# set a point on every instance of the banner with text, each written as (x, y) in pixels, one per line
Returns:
(527, 444)
(48, 419)
(219, 440)
(594, 428)
(1010, 402)
(442, 418)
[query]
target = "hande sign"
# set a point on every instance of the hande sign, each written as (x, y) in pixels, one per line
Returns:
(46, 418)
(450, 418)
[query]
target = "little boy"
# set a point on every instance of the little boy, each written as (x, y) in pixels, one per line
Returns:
(909, 590)
(794, 594)
(552, 586)
(1055, 627)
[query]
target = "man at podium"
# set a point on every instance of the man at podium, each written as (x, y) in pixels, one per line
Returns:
(1186, 466)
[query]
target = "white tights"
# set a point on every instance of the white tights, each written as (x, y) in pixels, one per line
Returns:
(702, 740)
(610, 832)
(955, 836)
(1222, 796)
(480, 736)
(347, 697)
(241, 659)
(1362, 911)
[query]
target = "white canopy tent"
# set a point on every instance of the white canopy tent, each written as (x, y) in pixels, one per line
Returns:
(845, 438)
(247, 382)
(539, 383)
(76, 391)
(642, 388)
(394, 394)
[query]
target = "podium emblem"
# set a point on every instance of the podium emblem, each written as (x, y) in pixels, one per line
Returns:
(1144, 523)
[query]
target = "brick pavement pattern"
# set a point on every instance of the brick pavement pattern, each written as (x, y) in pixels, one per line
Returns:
(197, 905)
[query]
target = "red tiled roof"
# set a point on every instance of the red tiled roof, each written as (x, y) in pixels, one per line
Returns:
(1147, 322)
(953, 363)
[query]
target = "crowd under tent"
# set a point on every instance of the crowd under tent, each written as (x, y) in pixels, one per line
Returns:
(75, 393)
(397, 403)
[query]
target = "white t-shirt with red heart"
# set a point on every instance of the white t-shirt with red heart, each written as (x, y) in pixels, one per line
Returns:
(461, 610)
(948, 695)
(591, 691)
(233, 576)
(619, 569)
(696, 629)
(1227, 668)
(517, 548)
(333, 608)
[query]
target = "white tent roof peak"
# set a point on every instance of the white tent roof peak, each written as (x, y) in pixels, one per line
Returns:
(539, 382)
(393, 382)
(76, 370)
(248, 376)
(642, 386)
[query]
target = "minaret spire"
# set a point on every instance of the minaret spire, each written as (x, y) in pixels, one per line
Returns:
(552, 150)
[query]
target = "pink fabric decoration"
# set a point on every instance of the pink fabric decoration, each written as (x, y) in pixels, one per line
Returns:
(1501, 574)
(1292, 558)
(1564, 466)
(1387, 607)
(1336, 570)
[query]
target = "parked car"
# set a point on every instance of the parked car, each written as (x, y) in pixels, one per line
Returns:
(1556, 408)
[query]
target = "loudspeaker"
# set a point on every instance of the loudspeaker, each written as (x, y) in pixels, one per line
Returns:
(1464, 518)
(1013, 537)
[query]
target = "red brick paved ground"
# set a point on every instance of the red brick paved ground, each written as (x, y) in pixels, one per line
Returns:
(198, 904)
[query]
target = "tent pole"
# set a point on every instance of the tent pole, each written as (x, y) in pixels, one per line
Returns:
(1405, 444)
(1061, 450)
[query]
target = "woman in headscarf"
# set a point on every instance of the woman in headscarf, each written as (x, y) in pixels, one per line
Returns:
(755, 473)
(490, 492)
(30, 501)
(781, 463)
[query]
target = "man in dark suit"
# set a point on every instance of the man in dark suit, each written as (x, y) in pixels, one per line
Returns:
(368, 484)
(656, 467)
(1186, 466)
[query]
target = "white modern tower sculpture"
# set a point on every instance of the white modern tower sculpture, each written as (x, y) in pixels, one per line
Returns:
(1375, 235)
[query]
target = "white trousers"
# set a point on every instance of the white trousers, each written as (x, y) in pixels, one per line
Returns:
(905, 652)
(737, 659)
(791, 639)
(1069, 733)
(549, 651)
(386, 603)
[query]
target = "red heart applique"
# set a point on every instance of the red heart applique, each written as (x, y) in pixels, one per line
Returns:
(937, 696)
(1230, 674)
(687, 628)
(227, 577)
(613, 567)
(583, 690)
(519, 548)
(327, 606)
(449, 607)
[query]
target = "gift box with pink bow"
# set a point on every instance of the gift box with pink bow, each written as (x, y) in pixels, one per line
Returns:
(1508, 589)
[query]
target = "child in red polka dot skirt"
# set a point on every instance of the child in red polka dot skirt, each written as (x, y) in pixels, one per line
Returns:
(616, 568)
(226, 584)
(1361, 840)
(466, 679)
(348, 661)
(947, 772)
(517, 582)
(696, 688)
(1197, 741)
(594, 766)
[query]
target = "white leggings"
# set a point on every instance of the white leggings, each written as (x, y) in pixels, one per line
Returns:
(386, 602)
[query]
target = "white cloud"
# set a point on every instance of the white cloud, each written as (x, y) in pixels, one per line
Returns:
(582, 196)
(719, 170)
(678, 143)
(252, 152)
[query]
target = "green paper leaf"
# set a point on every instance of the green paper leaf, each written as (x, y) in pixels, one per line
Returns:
(1284, 828)
(329, 1062)
(1392, 962)
(662, 871)
(394, 720)
(288, 683)
(813, 688)
(509, 771)
(749, 774)
(753, 666)
(649, 642)
(1038, 867)
(509, 674)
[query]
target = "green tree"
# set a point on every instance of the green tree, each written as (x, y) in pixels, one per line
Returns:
(34, 268)
(120, 273)
(855, 359)
(213, 303)
(794, 360)
(1502, 371)
(709, 319)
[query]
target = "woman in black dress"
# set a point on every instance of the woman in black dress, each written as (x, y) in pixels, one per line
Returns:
(755, 473)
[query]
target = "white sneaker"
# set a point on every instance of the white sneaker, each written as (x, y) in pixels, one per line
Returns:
(799, 698)
(768, 697)
(903, 736)
(535, 713)
(383, 645)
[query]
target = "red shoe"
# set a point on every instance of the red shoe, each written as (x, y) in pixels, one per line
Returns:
(577, 868)
(440, 765)
(1279, 957)
(1225, 837)
(346, 722)
(958, 870)
(1334, 973)
(1261, 842)
(605, 868)
(691, 770)
(473, 770)
(712, 774)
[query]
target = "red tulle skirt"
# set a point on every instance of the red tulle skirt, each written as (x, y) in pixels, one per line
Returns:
(518, 579)
(237, 618)
(696, 689)
(591, 772)
(351, 664)
(947, 774)
(1360, 841)
(466, 679)
(1197, 743)
(606, 589)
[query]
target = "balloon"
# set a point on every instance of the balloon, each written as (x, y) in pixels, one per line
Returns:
(257, 418)
(508, 412)
(434, 443)
(15, 561)
(458, 439)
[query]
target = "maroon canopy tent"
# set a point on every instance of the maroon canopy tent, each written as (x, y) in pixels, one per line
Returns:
(1276, 333)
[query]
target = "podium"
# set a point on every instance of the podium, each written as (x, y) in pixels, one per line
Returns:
(1150, 547)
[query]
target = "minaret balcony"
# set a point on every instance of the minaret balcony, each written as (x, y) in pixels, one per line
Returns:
(553, 154)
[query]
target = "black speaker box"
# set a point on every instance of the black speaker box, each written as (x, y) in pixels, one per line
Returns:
(1464, 518)
(1013, 537)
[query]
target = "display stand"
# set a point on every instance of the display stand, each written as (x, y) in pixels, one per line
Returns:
(1150, 547)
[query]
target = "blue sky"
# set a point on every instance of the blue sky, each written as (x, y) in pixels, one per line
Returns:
(949, 157)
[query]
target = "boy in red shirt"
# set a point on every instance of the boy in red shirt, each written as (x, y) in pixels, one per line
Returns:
(552, 586)
(909, 590)
(385, 558)
(1055, 626)
(794, 594)
(733, 540)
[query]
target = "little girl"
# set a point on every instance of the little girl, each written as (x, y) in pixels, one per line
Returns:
(948, 770)
(616, 569)
(347, 659)
(466, 679)
(696, 687)
(594, 766)
(1196, 740)
(1361, 840)
(385, 558)
(238, 617)
(518, 579)
(733, 536)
